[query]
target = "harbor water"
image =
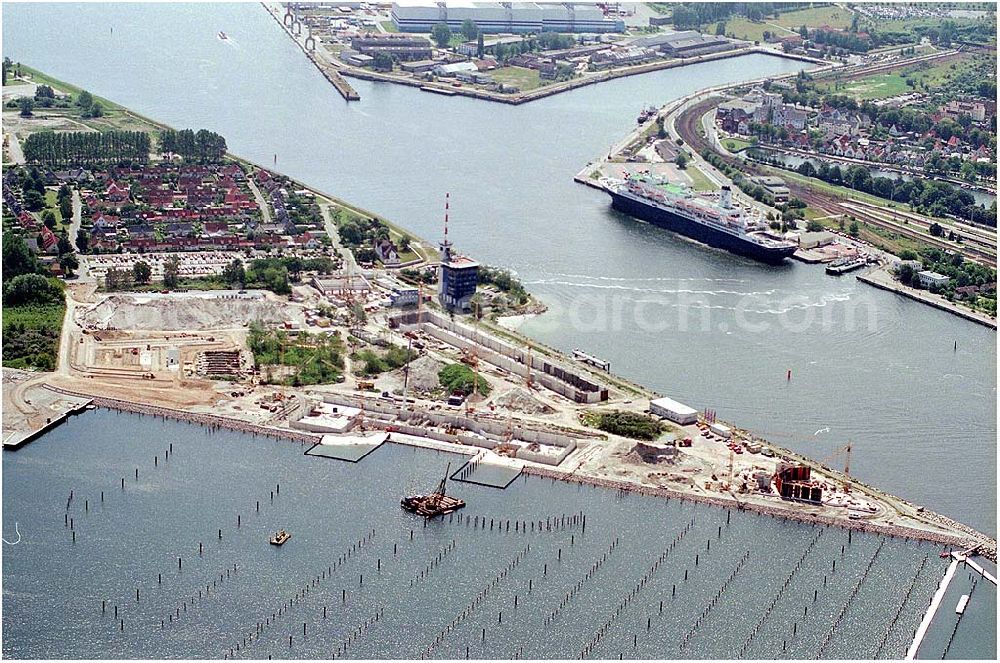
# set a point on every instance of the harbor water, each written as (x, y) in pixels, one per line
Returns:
(177, 562)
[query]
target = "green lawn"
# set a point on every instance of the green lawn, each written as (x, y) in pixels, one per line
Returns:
(389, 26)
(815, 17)
(699, 182)
(52, 204)
(522, 77)
(734, 144)
(44, 79)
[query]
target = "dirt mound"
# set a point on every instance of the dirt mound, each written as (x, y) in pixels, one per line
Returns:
(182, 313)
(522, 400)
(423, 375)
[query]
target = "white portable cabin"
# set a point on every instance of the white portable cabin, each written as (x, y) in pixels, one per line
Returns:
(674, 411)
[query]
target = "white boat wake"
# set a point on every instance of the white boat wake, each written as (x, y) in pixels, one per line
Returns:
(13, 543)
(822, 430)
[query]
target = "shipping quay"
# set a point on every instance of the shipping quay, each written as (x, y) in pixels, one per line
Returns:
(335, 71)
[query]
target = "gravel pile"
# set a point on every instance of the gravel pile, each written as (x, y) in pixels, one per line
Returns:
(520, 399)
(181, 313)
(423, 375)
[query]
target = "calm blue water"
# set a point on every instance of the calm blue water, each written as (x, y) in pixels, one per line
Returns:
(53, 588)
(710, 329)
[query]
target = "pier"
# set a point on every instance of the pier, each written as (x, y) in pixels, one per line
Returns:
(65, 409)
(925, 624)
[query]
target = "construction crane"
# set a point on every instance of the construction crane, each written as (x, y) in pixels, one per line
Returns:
(846, 449)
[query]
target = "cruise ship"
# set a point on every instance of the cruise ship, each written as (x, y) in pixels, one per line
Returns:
(720, 224)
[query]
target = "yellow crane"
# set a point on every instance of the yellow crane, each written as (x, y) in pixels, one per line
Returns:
(846, 449)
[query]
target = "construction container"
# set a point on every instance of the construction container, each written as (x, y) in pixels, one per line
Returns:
(674, 411)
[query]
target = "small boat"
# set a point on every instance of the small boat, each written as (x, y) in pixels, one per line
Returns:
(962, 602)
(279, 538)
(223, 36)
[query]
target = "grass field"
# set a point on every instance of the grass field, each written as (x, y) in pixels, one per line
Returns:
(389, 26)
(31, 335)
(699, 182)
(43, 79)
(741, 28)
(522, 77)
(816, 17)
(924, 77)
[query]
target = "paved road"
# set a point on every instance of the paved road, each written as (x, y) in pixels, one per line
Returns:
(261, 202)
(74, 226)
(14, 147)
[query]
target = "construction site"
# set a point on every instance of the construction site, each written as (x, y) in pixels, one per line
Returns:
(531, 413)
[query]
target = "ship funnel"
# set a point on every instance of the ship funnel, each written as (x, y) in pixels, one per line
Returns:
(726, 197)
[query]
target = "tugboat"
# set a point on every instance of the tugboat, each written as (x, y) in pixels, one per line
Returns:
(435, 504)
(280, 537)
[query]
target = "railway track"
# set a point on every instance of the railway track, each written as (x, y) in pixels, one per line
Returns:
(981, 241)
(833, 206)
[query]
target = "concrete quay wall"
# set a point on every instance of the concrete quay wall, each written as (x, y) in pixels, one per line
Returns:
(775, 512)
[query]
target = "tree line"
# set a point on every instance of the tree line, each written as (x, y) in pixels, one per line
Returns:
(203, 146)
(936, 198)
(87, 148)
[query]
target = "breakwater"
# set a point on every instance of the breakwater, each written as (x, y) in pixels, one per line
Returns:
(762, 509)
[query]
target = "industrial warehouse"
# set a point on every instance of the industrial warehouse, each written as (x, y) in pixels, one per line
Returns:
(494, 17)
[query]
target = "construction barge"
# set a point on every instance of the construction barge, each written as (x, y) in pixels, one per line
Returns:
(435, 504)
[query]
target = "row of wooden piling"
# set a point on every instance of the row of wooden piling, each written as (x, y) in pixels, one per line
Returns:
(354, 635)
(69, 521)
(627, 600)
(591, 572)
(714, 600)
(899, 610)
(557, 523)
(325, 574)
(781, 590)
(174, 616)
(476, 602)
(850, 598)
(433, 564)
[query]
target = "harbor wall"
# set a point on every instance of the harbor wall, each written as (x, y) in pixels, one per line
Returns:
(762, 509)
(204, 419)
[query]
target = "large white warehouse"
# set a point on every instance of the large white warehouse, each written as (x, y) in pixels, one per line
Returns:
(493, 17)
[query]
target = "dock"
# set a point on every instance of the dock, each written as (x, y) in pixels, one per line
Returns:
(925, 623)
(838, 267)
(18, 439)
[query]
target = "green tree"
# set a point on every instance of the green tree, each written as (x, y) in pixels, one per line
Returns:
(382, 61)
(441, 34)
(49, 219)
(85, 100)
(66, 209)
(681, 160)
(720, 29)
(936, 229)
(480, 46)
(18, 258)
(854, 229)
(69, 263)
(234, 273)
(469, 29)
(30, 289)
(26, 104)
(141, 272)
(171, 272)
